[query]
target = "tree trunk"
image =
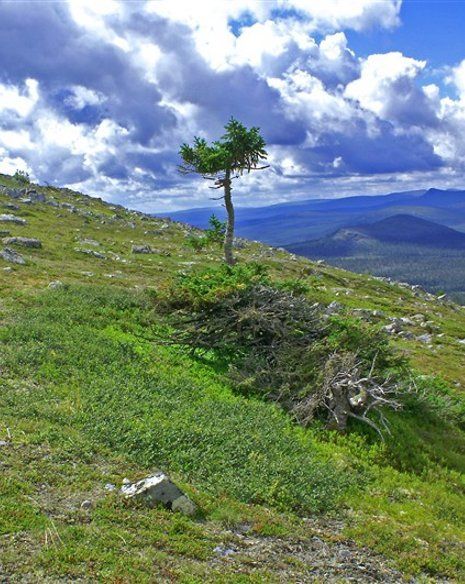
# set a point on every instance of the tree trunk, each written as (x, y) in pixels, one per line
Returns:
(340, 409)
(229, 235)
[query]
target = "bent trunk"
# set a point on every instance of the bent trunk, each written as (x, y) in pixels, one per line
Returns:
(229, 235)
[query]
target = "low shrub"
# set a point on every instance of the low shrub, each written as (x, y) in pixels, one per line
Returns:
(281, 346)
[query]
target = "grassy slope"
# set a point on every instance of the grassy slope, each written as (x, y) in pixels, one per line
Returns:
(91, 397)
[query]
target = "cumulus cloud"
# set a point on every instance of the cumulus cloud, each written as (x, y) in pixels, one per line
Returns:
(119, 85)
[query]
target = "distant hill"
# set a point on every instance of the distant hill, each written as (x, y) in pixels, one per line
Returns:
(402, 247)
(398, 229)
(287, 223)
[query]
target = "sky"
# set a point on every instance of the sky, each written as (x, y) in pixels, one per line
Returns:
(352, 97)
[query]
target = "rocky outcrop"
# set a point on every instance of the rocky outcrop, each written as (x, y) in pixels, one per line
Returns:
(7, 218)
(23, 241)
(11, 256)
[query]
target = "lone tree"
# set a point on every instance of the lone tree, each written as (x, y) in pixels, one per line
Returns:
(239, 150)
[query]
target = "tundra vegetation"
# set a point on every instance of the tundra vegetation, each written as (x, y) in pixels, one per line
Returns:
(104, 377)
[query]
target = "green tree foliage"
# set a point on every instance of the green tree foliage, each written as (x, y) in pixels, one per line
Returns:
(239, 150)
(22, 177)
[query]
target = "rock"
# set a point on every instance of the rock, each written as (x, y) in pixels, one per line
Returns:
(12, 219)
(52, 203)
(35, 197)
(406, 335)
(184, 505)
(109, 487)
(23, 241)
(12, 193)
(10, 255)
(86, 504)
(224, 552)
(333, 308)
(4, 443)
(158, 488)
(461, 341)
(92, 252)
(71, 208)
(55, 285)
(90, 242)
(426, 338)
(141, 249)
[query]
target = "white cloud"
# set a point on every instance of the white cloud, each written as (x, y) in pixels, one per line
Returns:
(82, 96)
(356, 14)
(374, 89)
(305, 97)
(20, 100)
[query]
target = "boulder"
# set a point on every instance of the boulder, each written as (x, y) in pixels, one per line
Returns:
(22, 241)
(35, 196)
(12, 193)
(7, 218)
(55, 285)
(158, 489)
(141, 249)
(11, 256)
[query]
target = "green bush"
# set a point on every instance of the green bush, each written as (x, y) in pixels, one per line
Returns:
(22, 177)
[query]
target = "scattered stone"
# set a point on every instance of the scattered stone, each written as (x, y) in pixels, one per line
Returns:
(91, 252)
(142, 249)
(109, 487)
(333, 308)
(8, 269)
(7, 218)
(426, 338)
(35, 197)
(71, 208)
(52, 203)
(23, 241)
(86, 504)
(4, 443)
(10, 255)
(12, 193)
(11, 206)
(224, 552)
(55, 285)
(90, 242)
(158, 488)
(406, 335)
(461, 341)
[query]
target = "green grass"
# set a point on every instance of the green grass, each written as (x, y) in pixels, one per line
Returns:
(91, 394)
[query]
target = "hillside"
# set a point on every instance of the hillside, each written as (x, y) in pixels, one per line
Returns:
(402, 247)
(94, 390)
(288, 223)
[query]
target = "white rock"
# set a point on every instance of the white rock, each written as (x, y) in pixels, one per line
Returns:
(158, 488)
